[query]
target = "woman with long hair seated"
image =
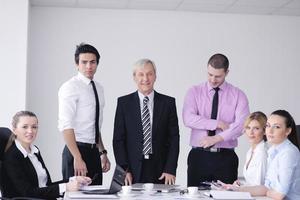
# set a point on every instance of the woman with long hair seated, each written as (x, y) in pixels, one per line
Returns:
(24, 171)
(255, 167)
(282, 179)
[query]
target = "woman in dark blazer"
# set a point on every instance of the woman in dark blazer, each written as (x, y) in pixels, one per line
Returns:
(24, 171)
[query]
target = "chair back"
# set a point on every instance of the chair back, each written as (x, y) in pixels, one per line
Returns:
(6, 139)
(298, 132)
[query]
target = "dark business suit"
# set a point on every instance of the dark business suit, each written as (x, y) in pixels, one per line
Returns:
(128, 136)
(20, 178)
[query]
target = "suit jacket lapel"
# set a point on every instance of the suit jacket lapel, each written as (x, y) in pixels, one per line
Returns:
(136, 109)
(38, 155)
(157, 109)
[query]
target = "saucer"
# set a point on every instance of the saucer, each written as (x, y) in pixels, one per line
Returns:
(149, 192)
(192, 196)
(121, 194)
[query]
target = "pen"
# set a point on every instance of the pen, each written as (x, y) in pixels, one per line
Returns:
(183, 191)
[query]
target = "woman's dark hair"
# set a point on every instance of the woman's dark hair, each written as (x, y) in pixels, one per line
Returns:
(290, 123)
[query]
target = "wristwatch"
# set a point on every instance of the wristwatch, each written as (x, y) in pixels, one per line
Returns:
(102, 152)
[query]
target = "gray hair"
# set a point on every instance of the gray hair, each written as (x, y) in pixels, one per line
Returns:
(141, 63)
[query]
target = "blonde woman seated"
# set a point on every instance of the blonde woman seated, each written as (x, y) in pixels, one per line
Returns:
(282, 179)
(24, 171)
(256, 160)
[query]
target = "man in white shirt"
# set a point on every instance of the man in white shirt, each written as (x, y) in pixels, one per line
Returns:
(81, 103)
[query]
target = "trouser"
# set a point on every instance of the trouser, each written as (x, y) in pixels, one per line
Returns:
(90, 156)
(212, 166)
(150, 172)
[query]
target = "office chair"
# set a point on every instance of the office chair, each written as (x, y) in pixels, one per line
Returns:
(298, 132)
(6, 139)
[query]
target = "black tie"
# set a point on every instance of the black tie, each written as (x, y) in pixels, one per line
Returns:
(97, 113)
(214, 110)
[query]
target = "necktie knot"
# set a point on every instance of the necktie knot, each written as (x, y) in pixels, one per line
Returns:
(146, 99)
(217, 89)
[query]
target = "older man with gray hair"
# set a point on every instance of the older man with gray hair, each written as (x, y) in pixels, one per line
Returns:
(146, 132)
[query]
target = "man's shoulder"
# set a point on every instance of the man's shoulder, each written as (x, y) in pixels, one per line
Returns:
(127, 97)
(231, 87)
(69, 83)
(164, 96)
(198, 88)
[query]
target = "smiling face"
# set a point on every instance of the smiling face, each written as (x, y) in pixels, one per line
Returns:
(216, 76)
(255, 132)
(144, 78)
(26, 130)
(276, 129)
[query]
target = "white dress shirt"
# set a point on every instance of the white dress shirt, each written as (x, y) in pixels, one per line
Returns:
(283, 173)
(149, 104)
(255, 173)
(77, 107)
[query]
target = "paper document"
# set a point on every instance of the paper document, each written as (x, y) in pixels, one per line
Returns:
(218, 194)
(80, 195)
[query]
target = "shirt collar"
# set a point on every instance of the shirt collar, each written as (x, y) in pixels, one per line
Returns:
(23, 151)
(274, 149)
(261, 143)
(222, 86)
(151, 96)
(83, 78)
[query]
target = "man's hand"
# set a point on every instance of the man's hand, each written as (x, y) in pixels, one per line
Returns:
(128, 178)
(222, 125)
(79, 167)
(169, 178)
(105, 163)
(210, 141)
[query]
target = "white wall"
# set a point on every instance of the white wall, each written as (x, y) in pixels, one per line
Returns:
(263, 53)
(13, 56)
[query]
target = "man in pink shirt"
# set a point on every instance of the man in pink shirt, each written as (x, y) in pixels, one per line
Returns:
(215, 112)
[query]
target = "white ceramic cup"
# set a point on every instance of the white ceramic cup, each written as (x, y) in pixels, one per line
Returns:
(126, 189)
(148, 187)
(192, 190)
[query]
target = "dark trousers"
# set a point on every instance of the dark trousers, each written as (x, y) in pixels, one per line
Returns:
(90, 156)
(150, 172)
(212, 166)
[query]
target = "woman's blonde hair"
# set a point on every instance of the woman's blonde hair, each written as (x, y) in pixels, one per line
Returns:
(258, 116)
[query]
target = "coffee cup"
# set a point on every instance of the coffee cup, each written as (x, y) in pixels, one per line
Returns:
(148, 187)
(192, 190)
(126, 189)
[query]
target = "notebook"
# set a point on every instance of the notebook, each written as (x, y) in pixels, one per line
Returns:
(116, 183)
(157, 187)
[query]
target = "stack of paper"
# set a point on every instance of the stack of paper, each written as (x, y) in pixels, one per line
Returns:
(218, 194)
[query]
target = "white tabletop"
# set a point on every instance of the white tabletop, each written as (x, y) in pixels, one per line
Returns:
(135, 195)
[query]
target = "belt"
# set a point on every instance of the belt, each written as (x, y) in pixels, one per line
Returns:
(213, 149)
(87, 145)
(147, 157)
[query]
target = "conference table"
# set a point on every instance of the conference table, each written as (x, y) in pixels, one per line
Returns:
(138, 195)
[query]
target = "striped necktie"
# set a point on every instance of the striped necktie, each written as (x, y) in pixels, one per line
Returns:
(146, 123)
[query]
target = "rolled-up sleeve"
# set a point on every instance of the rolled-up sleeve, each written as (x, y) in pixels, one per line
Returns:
(67, 97)
(241, 113)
